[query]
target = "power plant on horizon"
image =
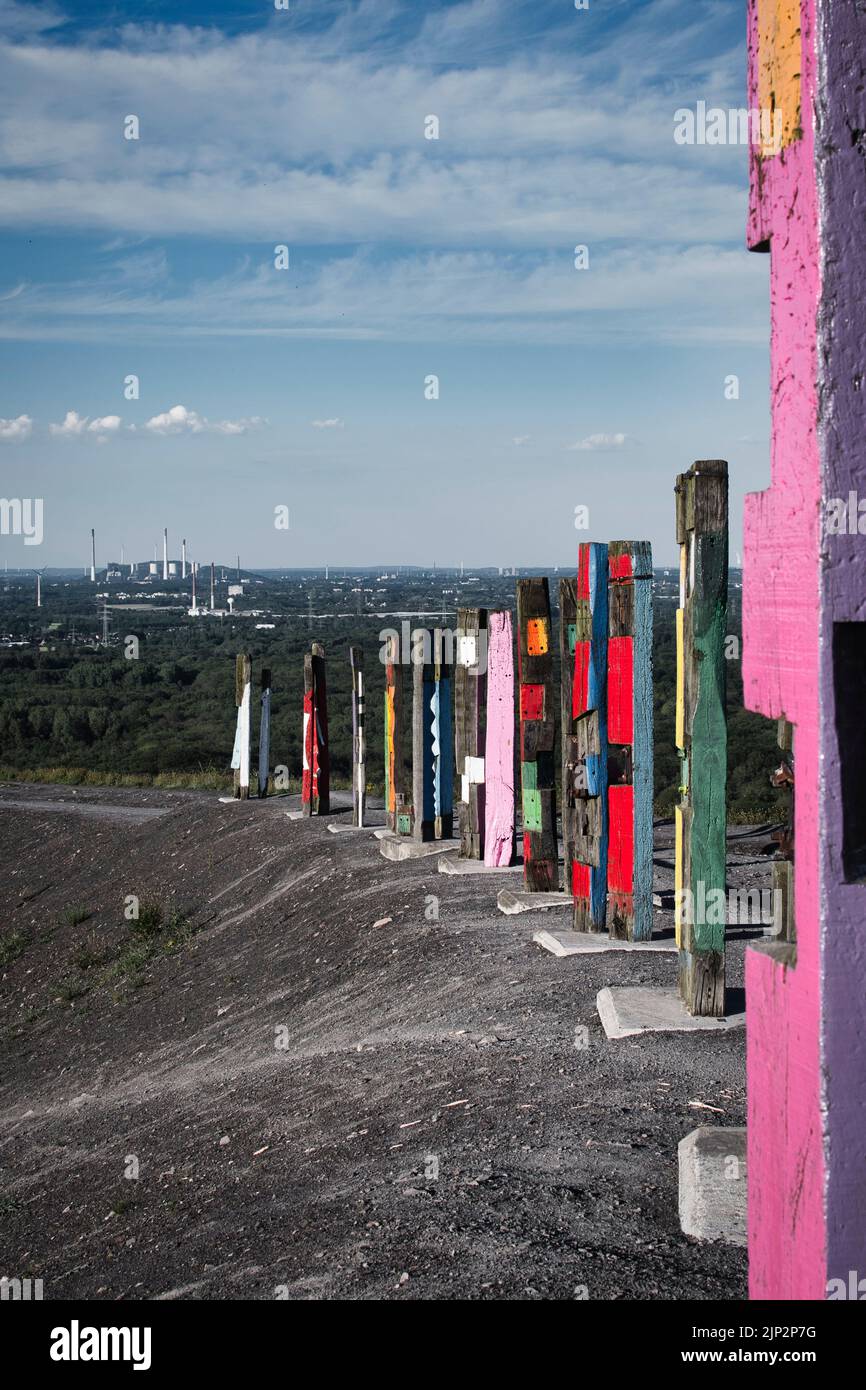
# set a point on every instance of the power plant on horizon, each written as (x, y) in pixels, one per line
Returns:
(185, 568)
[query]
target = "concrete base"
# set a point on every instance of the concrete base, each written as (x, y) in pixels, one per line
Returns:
(648, 1009)
(456, 865)
(401, 847)
(712, 1170)
(511, 902)
(337, 827)
(581, 943)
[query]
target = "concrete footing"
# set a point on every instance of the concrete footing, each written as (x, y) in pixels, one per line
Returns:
(648, 1009)
(456, 865)
(712, 1182)
(401, 847)
(511, 901)
(580, 943)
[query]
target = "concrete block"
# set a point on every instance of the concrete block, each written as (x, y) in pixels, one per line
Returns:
(649, 1009)
(579, 943)
(712, 1182)
(455, 865)
(400, 847)
(513, 902)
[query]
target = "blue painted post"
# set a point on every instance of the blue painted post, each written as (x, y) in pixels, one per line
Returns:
(432, 737)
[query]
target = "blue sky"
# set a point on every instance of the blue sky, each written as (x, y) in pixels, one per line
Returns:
(409, 257)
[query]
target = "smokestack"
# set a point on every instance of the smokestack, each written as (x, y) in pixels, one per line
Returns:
(239, 566)
(212, 584)
(194, 605)
(39, 591)
(92, 555)
(165, 552)
(183, 559)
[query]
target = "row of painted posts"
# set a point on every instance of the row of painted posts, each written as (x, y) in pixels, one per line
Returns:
(606, 719)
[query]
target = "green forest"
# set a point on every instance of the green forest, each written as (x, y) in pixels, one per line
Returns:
(80, 710)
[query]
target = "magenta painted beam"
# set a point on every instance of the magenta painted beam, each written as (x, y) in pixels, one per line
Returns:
(805, 648)
(499, 744)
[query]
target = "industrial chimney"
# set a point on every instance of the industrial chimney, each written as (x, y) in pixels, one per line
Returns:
(165, 553)
(212, 584)
(183, 559)
(92, 555)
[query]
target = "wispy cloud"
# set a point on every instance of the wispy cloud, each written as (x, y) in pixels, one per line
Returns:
(602, 443)
(332, 424)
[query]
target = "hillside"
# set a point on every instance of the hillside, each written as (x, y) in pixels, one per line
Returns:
(307, 1171)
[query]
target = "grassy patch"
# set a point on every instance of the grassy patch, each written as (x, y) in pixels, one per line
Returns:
(74, 916)
(13, 944)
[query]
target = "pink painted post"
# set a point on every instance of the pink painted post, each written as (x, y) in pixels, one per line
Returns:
(499, 746)
(804, 649)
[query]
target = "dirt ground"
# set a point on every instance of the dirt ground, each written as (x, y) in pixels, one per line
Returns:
(308, 1085)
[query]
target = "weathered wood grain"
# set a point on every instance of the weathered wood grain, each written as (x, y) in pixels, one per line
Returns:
(265, 734)
(499, 742)
(537, 736)
(432, 740)
(315, 783)
(359, 740)
(630, 741)
(243, 700)
(702, 499)
(585, 775)
(470, 691)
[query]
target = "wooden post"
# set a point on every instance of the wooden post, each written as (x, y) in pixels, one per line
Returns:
(499, 743)
(398, 814)
(265, 735)
(243, 700)
(470, 689)
(432, 737)
(315, 787)
(359, 744)
(567, 639)
(630, 741)
(701, 735)
(585, 746)
(537, 734)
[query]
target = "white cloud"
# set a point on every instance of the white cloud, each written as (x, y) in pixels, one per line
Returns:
(179, 420)
(333, 424)
(602, 443)
(521, 439)
(19, 428)
(75, 425)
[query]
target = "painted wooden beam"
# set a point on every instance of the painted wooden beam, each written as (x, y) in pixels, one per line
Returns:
(630, 741)
(584, 741)
(470, 692)
(567, 639)
(398, 808)
(702, 534)
(315, 785)
(432, 736)
(243, 700)
(499, 742)
(265, 734)
(537, 734)
(359, 741)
